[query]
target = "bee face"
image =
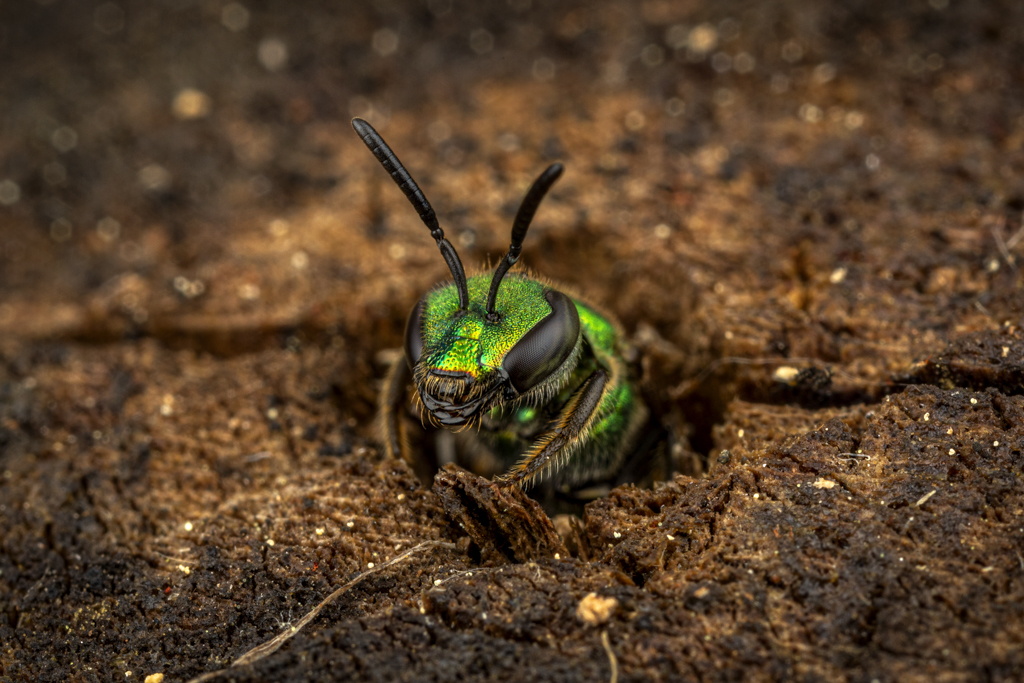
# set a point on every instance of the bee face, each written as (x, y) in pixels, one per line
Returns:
(465, 361)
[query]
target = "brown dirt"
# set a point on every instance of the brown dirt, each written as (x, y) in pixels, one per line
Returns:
(806, 216)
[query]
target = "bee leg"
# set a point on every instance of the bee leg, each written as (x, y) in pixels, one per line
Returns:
(392, 431)
(555, 444)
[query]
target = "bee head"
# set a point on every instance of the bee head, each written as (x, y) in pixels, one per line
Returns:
(467, 361)
(474, 344)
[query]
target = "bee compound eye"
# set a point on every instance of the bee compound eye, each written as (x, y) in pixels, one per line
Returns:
(545, 347)
(414, 334)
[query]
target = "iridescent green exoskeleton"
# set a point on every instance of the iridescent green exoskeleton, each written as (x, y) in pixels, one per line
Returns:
(539, 376)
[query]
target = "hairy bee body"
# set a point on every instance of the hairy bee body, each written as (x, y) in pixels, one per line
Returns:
(535, 381)
(598, 454)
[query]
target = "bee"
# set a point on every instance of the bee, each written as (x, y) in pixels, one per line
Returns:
(536, 380)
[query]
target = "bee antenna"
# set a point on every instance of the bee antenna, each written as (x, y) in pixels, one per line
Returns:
(524, 216)
(375, 143)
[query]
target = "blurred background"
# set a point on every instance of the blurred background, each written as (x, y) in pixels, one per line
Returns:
(135, 135)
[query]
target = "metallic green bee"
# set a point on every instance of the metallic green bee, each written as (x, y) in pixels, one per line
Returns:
(542, 375)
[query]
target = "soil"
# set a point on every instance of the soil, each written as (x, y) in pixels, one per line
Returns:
(806, 216)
